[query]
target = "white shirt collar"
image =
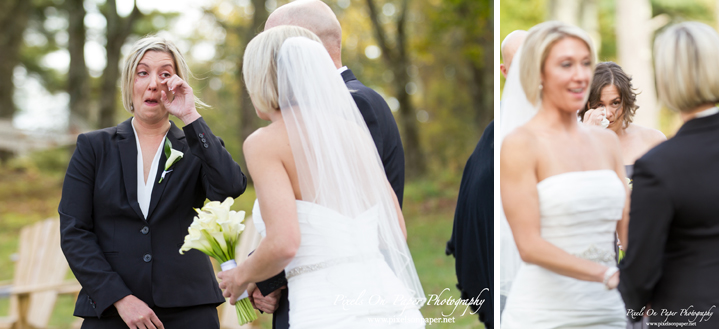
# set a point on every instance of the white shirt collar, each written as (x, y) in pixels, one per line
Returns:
(144, 192)
(707, 112)
(342, 69)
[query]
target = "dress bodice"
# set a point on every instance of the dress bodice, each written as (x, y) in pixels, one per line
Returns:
(579, 212)
(329, 236)
(340, 260)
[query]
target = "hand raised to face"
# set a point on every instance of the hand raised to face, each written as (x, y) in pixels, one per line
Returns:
(182, 104)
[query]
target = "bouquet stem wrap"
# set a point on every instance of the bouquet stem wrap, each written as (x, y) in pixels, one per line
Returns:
(245, 311)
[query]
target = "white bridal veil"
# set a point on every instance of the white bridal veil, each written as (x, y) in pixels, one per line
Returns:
(516, 110)
(338, 166)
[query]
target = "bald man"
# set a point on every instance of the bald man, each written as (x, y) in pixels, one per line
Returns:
(510, 45)
(317, 17)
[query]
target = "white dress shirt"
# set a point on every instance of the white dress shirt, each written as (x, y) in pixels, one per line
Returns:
(342, 69)
(144, 191)
(707, 112)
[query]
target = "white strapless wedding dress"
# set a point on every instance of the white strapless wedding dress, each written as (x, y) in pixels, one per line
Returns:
(338, 278)
(579, 212)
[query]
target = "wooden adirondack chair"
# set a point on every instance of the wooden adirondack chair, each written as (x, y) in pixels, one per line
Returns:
(39, 277)
(249, 240)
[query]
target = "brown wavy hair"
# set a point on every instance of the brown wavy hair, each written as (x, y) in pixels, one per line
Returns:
(609, 73)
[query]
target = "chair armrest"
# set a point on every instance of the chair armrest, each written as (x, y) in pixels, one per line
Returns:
(66, 287)
(69, 287)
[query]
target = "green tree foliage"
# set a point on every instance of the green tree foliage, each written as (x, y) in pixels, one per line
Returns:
(447, 41)
(446, 76)
(519, 14)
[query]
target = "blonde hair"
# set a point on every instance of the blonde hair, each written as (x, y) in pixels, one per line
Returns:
(535, 50)
(259, 65)
(151, 43)
(686, 66)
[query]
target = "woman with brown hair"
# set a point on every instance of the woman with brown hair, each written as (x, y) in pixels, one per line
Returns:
(612, 96)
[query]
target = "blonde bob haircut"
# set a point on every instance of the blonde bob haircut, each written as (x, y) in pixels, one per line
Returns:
(535, 50)
(686, 66)
(151, 43)
(259, 65)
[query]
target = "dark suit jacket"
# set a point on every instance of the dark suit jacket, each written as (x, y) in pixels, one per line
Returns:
(383, 129)
(472, 241)
(112, 250)
(671, 260)
(385, 134)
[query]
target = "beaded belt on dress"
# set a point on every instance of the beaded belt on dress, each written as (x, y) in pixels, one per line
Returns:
(322, 265)
(603, 256)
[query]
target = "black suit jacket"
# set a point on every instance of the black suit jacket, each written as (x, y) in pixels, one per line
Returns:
(472, 241)
(671, 260)
(383, 129)
(112, 250)
(385, 135)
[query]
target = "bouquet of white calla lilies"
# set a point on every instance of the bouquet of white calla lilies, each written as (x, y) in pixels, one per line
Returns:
(216, 231)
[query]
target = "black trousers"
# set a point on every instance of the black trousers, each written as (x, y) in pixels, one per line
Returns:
(194, 317)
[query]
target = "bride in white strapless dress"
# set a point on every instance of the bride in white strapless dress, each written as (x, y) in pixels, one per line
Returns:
(327, 213)
(338, 277)
(579, 213)
(561, 189)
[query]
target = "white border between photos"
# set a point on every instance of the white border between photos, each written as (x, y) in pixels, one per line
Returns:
(497, 124)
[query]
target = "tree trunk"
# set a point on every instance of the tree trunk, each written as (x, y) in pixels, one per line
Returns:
(77, 77)
(582, 13)
(634, 52)
(14, 16)
(590, 22)
(249, 121)
(118, 29)
(565, 11)
(397, 59)
(482, 80)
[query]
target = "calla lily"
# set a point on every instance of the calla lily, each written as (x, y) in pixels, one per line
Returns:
(175, 156)
(193, 240)
(207, 221)
(172, 157)
(230, 226)
(215, 231)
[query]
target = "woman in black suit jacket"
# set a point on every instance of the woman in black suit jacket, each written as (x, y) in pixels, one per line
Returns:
(671, 265)
(124, 217)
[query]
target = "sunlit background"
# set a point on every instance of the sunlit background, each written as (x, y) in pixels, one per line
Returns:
(623, 31)
(59, 76)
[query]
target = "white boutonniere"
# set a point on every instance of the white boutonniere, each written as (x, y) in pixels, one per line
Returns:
(172, 156)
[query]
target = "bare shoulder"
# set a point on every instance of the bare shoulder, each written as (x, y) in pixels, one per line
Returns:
(599, 132)
(520, 144)
(605, 136)
(265, 140)
(650, 135)
(519, 138)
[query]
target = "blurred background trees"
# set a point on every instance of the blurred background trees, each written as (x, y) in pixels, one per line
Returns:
(623, 31)
(430, 59)
(59, 75)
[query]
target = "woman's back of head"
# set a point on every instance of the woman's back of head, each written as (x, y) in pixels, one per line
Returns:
(686, 66)
(259, 64)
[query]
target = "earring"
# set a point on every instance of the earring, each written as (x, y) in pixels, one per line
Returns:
(132, 107)
(541, 86)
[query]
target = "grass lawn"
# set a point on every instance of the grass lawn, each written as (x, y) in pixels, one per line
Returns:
(30, 192)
